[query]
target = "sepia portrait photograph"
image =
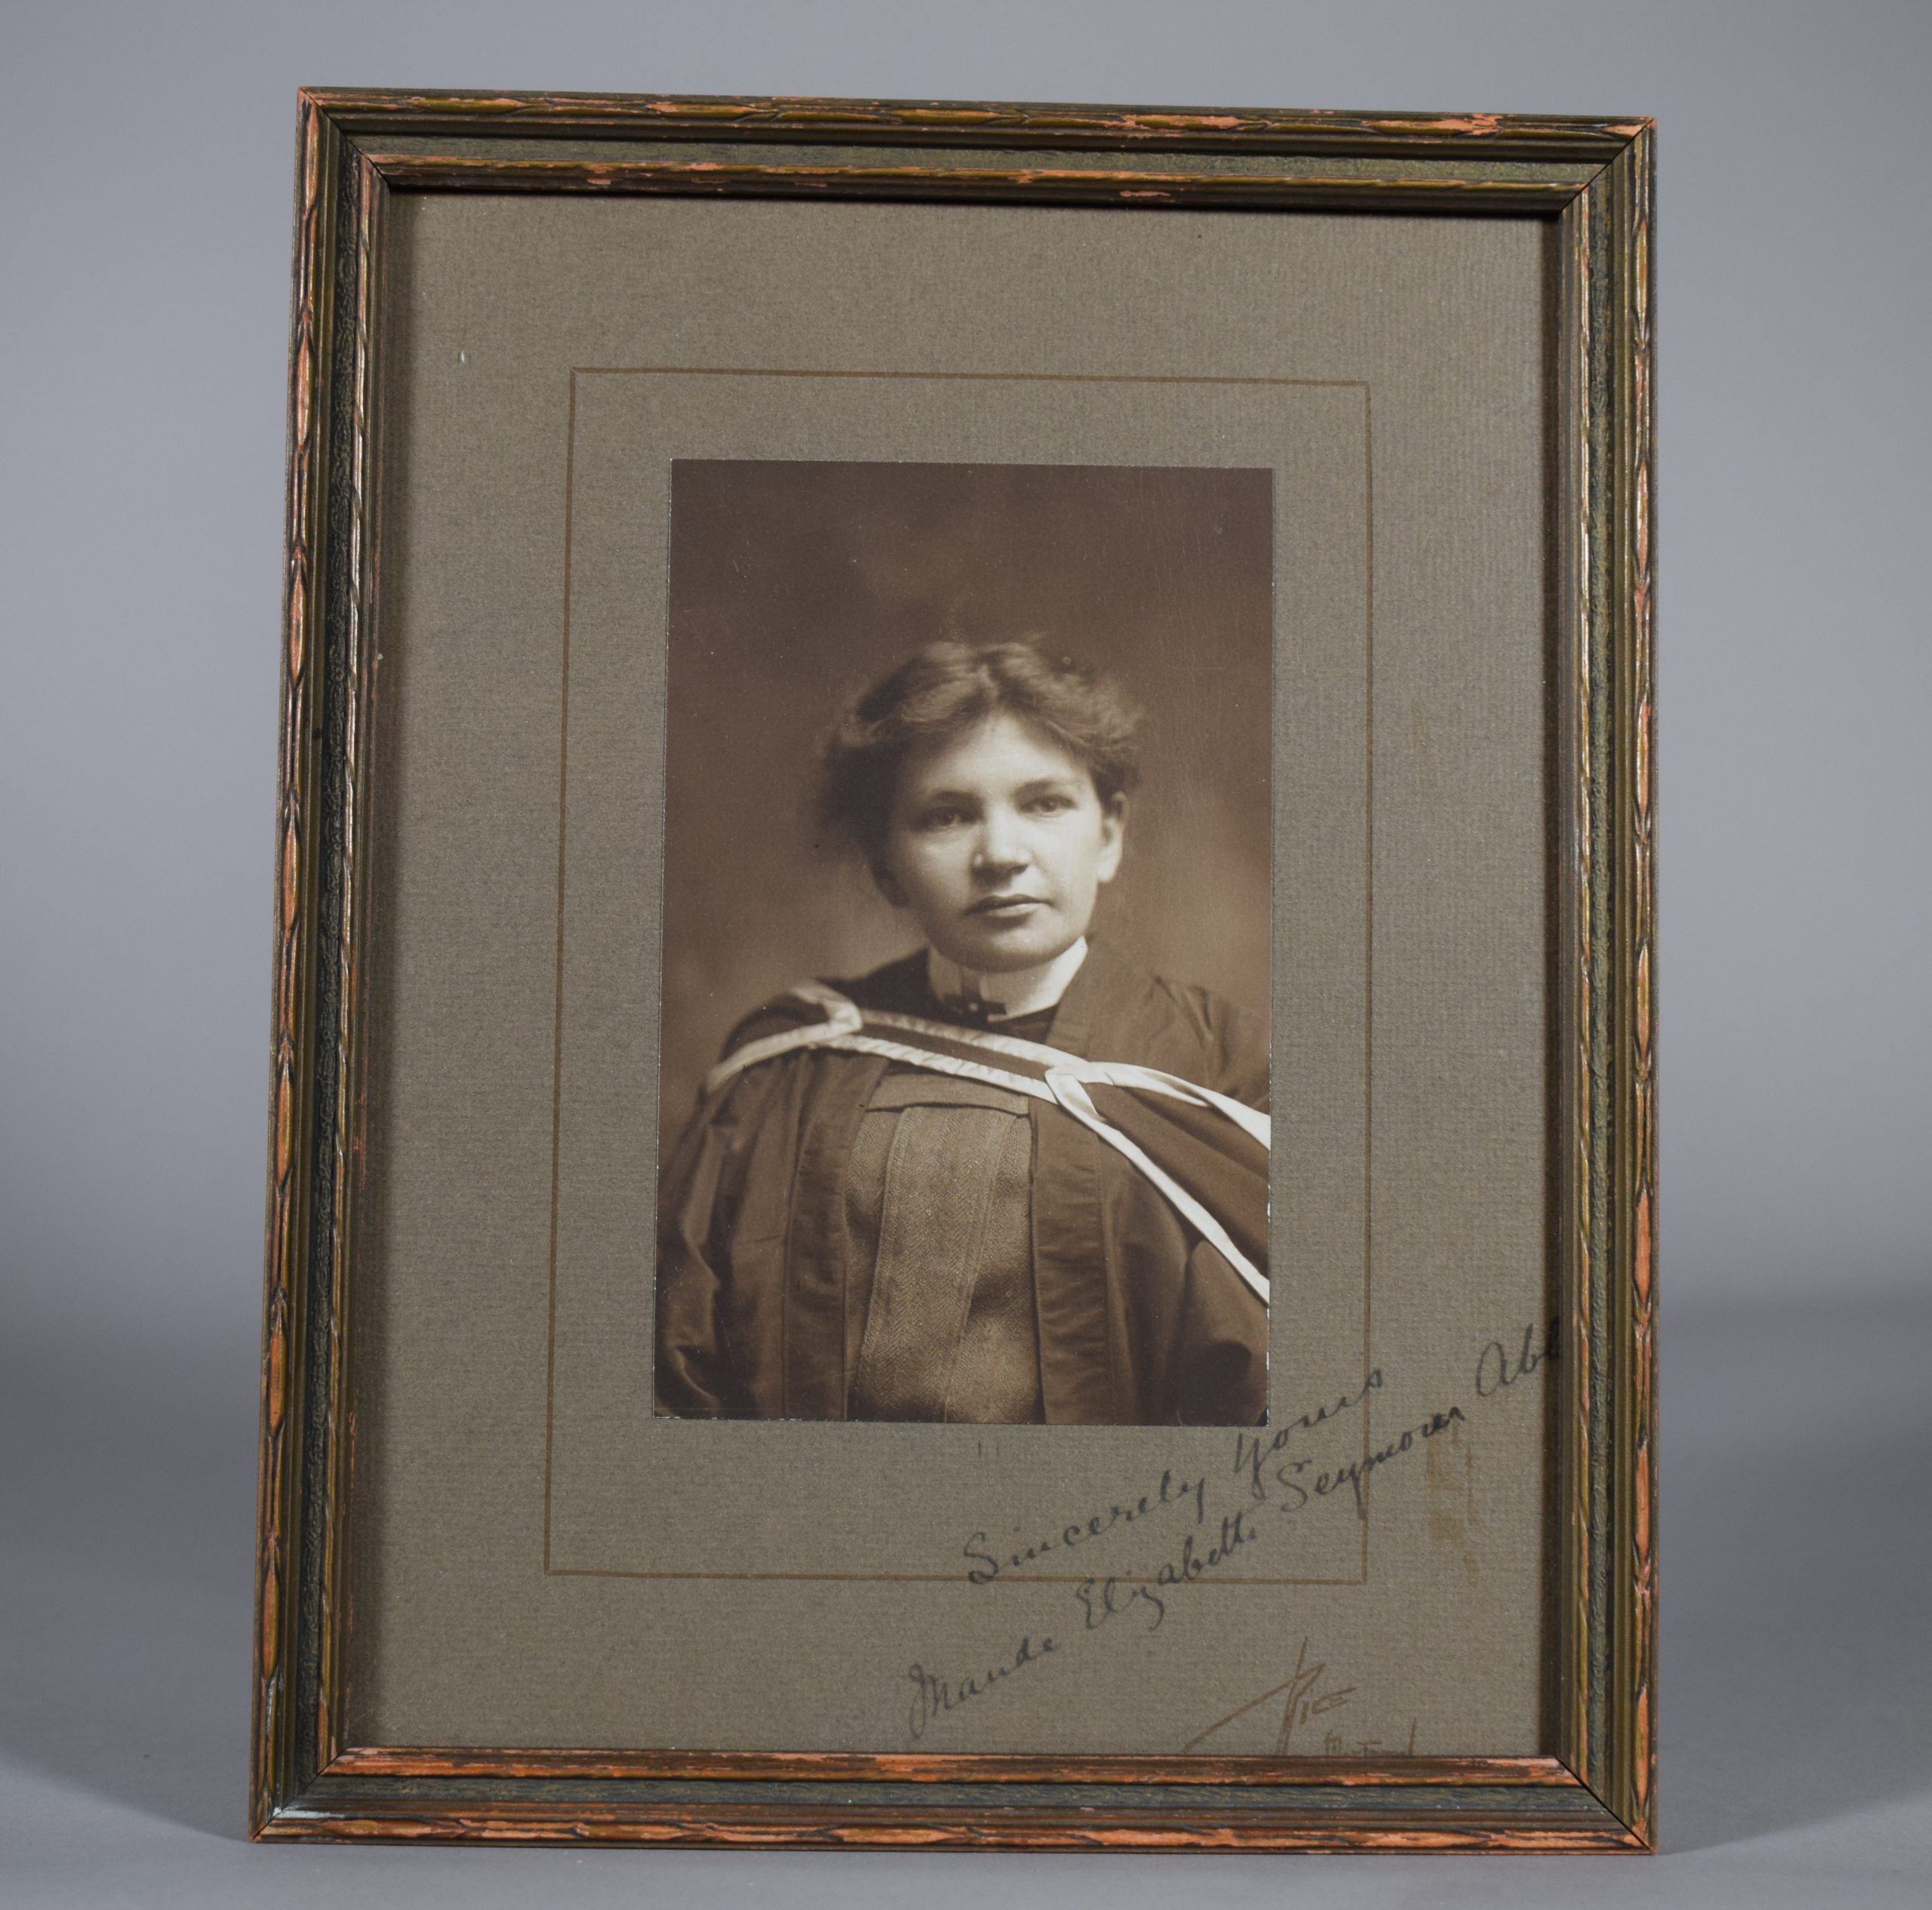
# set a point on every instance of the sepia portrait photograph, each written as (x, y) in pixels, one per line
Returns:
(964, 1087)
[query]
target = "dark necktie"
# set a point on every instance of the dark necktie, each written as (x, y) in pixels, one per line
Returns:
(974, 1010)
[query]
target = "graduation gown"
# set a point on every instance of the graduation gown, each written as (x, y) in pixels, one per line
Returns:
(1139, 1321)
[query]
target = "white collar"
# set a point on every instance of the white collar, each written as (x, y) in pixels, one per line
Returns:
(1016, 991)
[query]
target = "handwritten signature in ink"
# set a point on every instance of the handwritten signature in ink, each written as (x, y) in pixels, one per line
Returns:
(1304, 1697)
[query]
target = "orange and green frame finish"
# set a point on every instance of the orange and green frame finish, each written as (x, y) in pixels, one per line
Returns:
(1591, 181)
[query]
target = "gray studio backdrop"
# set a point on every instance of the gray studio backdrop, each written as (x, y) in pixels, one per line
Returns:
(143, 299)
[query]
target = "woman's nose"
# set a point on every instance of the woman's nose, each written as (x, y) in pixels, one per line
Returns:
(1000, 845)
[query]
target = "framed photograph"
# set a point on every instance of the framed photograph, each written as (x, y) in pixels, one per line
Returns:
(963, 1139)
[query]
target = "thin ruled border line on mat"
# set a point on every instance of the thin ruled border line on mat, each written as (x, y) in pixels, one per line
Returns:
(1368, 957)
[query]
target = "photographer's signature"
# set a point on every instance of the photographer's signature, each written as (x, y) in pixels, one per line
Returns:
(1305, 1696)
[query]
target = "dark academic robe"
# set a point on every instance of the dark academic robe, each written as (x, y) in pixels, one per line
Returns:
(1140, 1321)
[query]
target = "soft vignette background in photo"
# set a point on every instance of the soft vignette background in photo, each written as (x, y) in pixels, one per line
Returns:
(143, 314)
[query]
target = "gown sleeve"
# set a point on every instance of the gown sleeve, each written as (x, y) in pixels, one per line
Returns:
(1242, 1058)
(700, 1373)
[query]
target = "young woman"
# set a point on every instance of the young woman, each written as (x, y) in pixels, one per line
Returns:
(1009, 1179)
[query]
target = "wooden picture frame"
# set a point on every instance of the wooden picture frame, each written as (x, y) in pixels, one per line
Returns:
(1590, 185)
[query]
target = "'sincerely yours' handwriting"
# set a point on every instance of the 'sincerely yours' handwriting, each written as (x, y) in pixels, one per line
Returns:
(986, 1565)
(1290, 1484)
(1254, 1449)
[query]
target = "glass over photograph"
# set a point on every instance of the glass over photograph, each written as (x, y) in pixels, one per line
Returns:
(965, 1060)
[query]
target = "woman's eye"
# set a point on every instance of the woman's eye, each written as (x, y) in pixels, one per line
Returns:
(1049, 805)
(942, 819)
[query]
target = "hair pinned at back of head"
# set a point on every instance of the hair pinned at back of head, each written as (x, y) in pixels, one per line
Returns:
(944, 688)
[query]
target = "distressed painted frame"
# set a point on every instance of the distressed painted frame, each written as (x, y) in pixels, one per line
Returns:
(1592, 180)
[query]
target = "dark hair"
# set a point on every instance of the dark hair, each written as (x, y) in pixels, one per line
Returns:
(945, 688)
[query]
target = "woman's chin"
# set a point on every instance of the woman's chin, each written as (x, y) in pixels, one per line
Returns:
(992, 951)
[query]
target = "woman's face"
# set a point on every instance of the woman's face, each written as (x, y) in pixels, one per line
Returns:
(998, 845)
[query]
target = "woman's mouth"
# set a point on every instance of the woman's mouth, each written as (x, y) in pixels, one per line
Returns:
(1005, 908)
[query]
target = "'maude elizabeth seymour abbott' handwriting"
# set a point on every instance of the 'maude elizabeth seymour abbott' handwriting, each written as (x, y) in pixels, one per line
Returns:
(1295, 1483)
(1253, 1451)
(1294, 1494)
(1269, 1473)
(1104, 1599)
(933, 1696)
(1495, 1369)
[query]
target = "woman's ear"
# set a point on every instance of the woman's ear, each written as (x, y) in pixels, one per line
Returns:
(884, 880)
(1113, 838)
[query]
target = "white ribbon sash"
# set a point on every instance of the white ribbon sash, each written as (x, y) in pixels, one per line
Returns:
(1063, 1083)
